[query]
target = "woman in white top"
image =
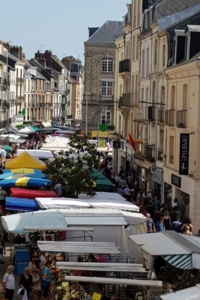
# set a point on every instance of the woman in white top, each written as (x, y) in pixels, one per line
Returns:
(9, 283)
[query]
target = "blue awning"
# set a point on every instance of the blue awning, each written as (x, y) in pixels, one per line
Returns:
(21, 204)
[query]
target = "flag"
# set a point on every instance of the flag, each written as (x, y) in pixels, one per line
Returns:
(131, 142)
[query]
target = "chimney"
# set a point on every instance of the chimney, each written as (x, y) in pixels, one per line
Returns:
(40, 58)
(16, 51)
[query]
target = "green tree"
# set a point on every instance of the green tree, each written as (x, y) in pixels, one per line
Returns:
(73, 168)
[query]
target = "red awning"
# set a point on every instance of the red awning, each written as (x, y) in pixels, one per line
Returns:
(31, 194)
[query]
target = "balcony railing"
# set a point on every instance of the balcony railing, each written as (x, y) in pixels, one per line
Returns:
(181, 118)
(170, 117)
(160, 154)
(124, 66)
(149, 152)
(20, 80)
(107, 98)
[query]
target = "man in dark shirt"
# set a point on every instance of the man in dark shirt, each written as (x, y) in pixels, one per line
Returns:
(176, 225)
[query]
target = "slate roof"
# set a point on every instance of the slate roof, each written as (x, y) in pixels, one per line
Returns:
(107, 33)
(168, 7)
(174, 18)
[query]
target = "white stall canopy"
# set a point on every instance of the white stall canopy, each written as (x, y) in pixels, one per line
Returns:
(192, 293)
(180, 250)
(55, 145)
(117, 281)
(102, 267)
(40, 220)
(37, 153)
(78, 247)
(99, 200)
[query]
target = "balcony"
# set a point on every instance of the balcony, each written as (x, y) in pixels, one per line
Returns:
(160, 154)
(170, 117)
(151, 113)
(19, 80)
(161, 116)
(149, 153)
(3, 59)
(181, 118)
(3, 83)
(3, 124)
(107, 98)
(124, 66)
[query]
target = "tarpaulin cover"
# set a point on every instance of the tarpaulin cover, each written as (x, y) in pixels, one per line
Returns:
(22, 170)
(25, 181)
(25, 160)
(21, 204)
(31, 194)
(10, 175)
(17, 223)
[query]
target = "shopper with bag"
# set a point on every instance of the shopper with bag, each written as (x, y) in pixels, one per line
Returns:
(26, 282)
(9, 283)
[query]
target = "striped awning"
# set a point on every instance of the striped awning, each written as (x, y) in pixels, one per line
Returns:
(179, 261)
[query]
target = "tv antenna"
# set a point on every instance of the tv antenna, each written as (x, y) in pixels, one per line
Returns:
(41, 47)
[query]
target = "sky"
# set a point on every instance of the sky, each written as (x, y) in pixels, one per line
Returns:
(57, 25)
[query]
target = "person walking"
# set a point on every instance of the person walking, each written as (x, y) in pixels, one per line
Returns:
(26, 281)
(150, 224)
(46, 279)
(9, 283)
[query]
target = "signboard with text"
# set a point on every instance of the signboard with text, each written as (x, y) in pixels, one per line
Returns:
(184, 154)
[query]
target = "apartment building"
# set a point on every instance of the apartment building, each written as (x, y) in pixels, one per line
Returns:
(99, 77)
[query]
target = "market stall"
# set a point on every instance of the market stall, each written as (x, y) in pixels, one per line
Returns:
(25, 160)
(44, 154)
(192, 293)
(32, 194)
(25, 181)
(21, 204)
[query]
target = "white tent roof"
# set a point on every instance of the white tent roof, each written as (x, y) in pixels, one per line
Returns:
(18, 222)
(26, 129)
(192, 293)
(55, 144)
(99, 200)
(37, 153)
(102, 267)
(158, 244)
(78, 247)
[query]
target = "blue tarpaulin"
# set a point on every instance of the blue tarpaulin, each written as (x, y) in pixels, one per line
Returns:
(21, 204)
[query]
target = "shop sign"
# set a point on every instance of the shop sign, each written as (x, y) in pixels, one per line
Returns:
(116, 144)
(176, 180)
(101, 143)
(17, 120)
(184, 153)
(158, 176)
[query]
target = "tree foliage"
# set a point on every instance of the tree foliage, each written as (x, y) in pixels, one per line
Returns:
(73, 168)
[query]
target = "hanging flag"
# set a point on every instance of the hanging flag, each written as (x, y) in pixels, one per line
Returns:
(131, 142)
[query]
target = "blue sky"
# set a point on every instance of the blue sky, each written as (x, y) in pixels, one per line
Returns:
(60, 26)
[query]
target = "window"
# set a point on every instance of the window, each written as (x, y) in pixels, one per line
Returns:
(155, 52)
(163, 56)
(107, 65)
(171, 149)
(173, 91)
(185, 96)
(106, 117)
(106, 88)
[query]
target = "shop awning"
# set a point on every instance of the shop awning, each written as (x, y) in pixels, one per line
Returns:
(179, 250)
(38, 219)
(78, 247)
(21, 204)
(100, 134)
